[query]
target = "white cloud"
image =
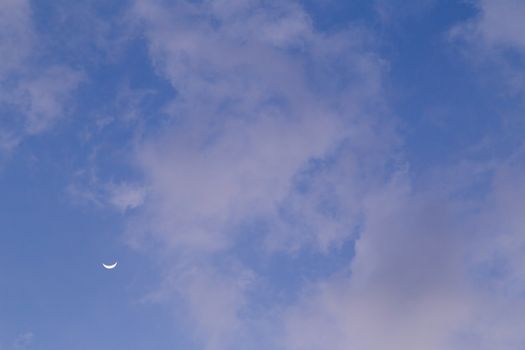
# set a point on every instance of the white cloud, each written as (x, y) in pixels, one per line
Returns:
(406, 289)
(499, 23)
(277, 123)
(87, 188)
(248, 116)
(260, 94)
(23, 341)
(215, 297)
(493, 39)
(16, 35)
(126, 196)
(33, 95)
(279, 126)
(391, 11)
(431, 270)
(8, 141)
(43, 98)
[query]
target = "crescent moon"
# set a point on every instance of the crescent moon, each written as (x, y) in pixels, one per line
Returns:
(110, 267)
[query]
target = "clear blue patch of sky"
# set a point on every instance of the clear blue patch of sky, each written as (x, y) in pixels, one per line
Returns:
(333, 15)
(53, 284)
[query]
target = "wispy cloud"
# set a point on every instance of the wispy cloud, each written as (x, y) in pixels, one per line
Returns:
(23, 341)
(33, 94)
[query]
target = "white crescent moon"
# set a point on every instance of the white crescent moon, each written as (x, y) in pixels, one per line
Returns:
(109, 267)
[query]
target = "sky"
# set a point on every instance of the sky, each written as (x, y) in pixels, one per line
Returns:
(288, 175)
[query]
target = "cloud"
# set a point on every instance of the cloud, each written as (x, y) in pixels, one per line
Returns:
(250, 113)
(211, 318)
(42, 99)
(278, 149)
(33, 95)
(8, 141)
(498, 23)
(391, 11)
(492, 40)
(17, 36)
(126, 196)
(432, 269)
(279, 142)
(269, 116)
(23, 341)
(406, 287)
(87, 188)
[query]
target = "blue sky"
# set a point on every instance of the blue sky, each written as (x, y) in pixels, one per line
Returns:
(290, 175)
